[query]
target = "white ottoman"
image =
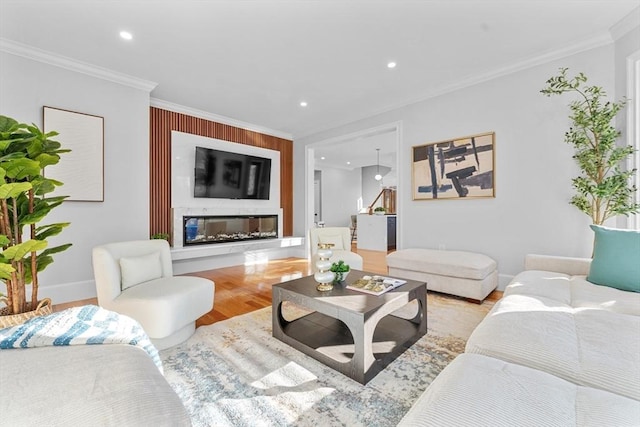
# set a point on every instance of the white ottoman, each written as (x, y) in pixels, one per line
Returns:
(465, 274)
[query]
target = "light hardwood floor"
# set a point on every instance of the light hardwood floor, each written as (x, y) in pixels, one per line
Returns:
(245, 288)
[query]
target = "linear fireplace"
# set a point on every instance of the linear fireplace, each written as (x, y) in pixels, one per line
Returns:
(207, 229)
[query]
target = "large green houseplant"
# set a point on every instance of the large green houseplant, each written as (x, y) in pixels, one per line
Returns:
(25, 151)
(603, 189)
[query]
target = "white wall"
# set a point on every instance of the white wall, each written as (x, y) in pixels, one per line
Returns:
(26, 86)
(627, 46)
(530, 213)
(341, 190)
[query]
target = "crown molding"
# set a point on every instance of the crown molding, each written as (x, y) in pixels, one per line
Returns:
(177, 108)
(599, 40)
(29, 52)
(626, 24)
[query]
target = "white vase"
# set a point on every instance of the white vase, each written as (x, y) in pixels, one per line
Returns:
(324, 276)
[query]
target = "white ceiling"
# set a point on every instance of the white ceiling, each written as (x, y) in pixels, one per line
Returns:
(358, 152)
(255, 60)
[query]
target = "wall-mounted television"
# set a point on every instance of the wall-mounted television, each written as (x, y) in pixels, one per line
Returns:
(226, 175)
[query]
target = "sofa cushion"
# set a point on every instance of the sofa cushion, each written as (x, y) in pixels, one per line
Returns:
(86, 385)
(140, 269)
(546, 284)
(616, 258)
(587, 346)
(585, 294)
(574, 291)
(474, 390)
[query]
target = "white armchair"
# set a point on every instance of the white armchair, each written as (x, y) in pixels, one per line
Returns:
(136, 279)
(341, 239)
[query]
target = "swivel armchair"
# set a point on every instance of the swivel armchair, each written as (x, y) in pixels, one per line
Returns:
(136, 279)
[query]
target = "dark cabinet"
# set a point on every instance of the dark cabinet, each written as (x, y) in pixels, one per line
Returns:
(391, 232)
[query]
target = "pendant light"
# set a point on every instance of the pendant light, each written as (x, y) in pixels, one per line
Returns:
(378, 177)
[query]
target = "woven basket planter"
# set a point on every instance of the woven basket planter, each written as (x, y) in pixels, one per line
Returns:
(8, 320)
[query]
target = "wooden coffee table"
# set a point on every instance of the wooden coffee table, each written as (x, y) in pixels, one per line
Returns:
(350, 331)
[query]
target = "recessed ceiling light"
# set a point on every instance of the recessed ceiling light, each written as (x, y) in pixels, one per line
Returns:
(348, 163)
(126, 35)
(322, 158)
(391, 65)
(303, 103)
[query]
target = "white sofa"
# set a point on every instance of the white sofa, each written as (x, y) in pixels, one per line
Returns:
(86, 385)
(555, 350)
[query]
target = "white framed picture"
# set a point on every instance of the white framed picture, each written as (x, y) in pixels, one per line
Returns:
(82, 170)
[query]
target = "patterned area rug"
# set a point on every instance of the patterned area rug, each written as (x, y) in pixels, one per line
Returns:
(234, 373)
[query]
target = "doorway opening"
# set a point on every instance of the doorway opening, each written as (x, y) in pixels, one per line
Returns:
(365, 140)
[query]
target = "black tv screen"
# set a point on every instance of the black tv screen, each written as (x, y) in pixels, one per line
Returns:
(225, 175)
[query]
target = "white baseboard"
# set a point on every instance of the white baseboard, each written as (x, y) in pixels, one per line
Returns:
(68, 292)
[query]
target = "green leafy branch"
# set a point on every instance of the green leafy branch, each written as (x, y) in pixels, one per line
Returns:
(603, 189)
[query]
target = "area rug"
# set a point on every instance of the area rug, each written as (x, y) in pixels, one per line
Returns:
(234, 373)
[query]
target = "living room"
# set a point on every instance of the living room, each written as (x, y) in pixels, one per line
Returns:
(528, 208)
(530, 212)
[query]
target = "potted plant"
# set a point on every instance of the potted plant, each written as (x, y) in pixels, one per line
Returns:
(160, 236)
(341, 270)
(379, 210)
(25, 151)
(603, 189)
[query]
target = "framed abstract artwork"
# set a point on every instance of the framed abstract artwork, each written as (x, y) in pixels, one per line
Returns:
(82, 170)
(454, 169)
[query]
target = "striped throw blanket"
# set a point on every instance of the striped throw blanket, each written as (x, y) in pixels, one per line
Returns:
(88, 324)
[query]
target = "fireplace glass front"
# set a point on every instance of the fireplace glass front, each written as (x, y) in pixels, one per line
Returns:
(223, 229)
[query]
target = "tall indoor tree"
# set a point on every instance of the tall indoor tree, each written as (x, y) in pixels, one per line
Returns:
(603, 188)
(25, 151)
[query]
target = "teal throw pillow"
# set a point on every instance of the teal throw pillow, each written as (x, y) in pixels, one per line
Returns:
(616, 258)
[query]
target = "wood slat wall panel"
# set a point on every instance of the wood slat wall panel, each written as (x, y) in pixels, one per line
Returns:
(162, 122)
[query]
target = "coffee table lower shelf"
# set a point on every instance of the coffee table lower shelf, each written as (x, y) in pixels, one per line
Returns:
(331, 341)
